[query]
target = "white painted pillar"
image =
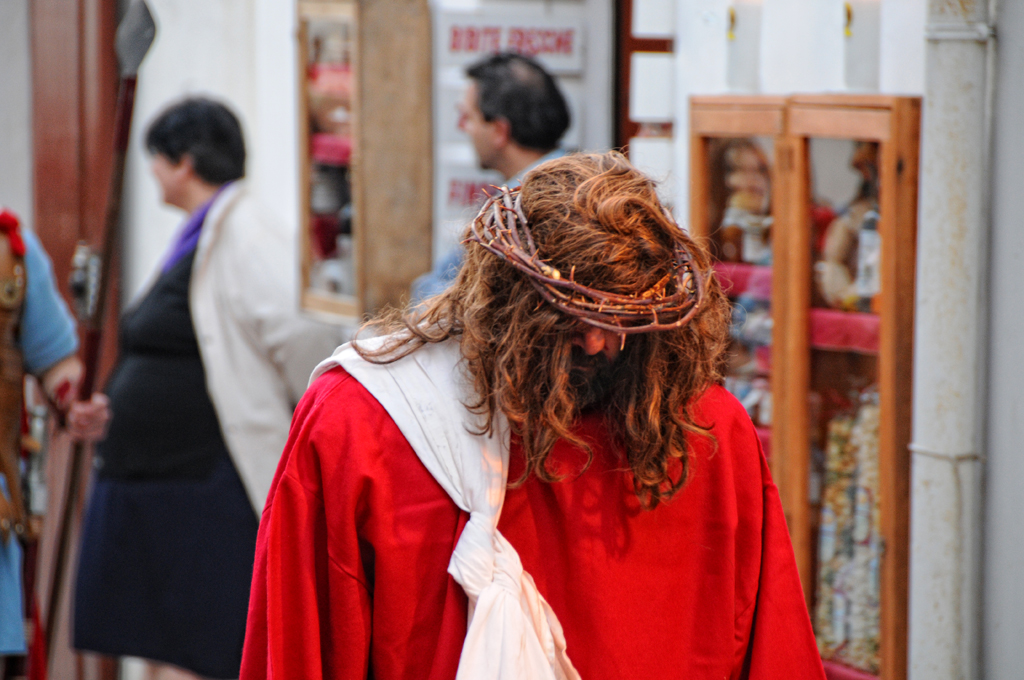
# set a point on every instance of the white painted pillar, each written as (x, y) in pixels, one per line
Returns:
(951, 327)
(273, 125)
(1002, 651)
(700, 68)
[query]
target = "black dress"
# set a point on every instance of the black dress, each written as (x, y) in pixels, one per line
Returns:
(169, 535)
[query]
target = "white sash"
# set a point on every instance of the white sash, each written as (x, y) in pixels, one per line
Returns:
(513, 634)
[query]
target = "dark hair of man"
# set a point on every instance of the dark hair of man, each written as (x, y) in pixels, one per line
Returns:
(600, 217)
(518, 89)
(205, 130)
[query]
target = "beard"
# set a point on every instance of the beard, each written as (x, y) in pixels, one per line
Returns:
(593, 379)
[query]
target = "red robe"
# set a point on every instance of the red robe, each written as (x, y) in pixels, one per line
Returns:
(351, 576)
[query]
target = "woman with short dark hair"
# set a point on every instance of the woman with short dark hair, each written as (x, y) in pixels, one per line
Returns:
(212, 361)
(205, 131)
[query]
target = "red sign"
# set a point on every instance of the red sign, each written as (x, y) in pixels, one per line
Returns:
(522, 39)
(557, 43)
(535, 41)
(475, 39)
(468, 193)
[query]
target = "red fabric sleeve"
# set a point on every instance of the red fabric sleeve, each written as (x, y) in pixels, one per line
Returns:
(781, 643)
(301, 600)
(354, 544)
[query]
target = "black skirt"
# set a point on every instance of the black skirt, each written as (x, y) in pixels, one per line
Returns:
(165, 569)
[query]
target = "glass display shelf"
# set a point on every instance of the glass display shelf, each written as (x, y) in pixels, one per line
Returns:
(739, 223)
(844, 412)
(844, 331)
(327, 49)
(733, 211)
(837, 671)
(823, 323)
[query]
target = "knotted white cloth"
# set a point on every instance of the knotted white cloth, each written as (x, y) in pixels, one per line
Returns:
(513, 634)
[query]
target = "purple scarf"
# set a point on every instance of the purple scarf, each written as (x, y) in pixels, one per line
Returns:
(188, 235)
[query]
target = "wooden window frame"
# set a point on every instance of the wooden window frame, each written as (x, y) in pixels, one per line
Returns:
(625, 45)
(392, 160)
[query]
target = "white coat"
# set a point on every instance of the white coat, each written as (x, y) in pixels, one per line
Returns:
(257, 348)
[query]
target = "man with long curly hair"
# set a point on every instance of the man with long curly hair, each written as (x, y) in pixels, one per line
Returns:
(537, 474)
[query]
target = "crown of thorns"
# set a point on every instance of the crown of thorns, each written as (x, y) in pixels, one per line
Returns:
(501, 227)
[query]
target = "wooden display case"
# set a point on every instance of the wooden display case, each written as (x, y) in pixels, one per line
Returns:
(365, 152)
(734, 141)
(843, 242)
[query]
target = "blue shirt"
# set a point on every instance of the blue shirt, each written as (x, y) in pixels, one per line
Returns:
(47, 327)
(12, 626)
(447, 268)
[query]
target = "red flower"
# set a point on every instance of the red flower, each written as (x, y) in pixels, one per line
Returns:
(9, 225)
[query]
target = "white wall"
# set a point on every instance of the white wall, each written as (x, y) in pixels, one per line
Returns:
(1003, 621)
(15, 110)
(802, 50)
(902, 46)
(273, 130)
(802, 46)
(241, 52)
(701, 61)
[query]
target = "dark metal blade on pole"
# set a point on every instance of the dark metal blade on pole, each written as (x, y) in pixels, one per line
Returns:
(135, 35)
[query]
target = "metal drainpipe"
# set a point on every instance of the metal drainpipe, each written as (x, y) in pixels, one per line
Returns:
(950, 342)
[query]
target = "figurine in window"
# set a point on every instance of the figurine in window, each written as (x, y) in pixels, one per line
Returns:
(329, 86)
(847, 274)
(740, 202)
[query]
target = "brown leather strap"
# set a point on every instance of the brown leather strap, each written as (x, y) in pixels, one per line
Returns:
(12, 296)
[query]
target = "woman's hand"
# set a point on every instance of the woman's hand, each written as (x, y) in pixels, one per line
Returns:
(87, 420)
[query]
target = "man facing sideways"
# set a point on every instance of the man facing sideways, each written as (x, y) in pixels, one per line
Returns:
(537, 474)
(515, 115)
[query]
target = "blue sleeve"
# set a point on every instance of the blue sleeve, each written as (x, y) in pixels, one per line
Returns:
(47, 328)
(437, 280)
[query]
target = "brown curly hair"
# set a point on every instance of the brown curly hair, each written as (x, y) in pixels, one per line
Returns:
(600, 214)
